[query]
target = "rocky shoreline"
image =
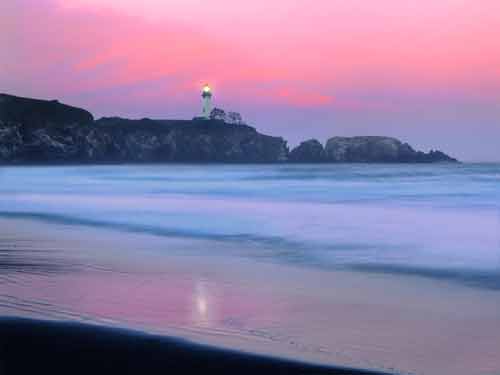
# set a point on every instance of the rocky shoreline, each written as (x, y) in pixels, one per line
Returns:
(36, 131)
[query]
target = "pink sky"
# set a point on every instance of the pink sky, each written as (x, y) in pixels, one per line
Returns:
(425, 71)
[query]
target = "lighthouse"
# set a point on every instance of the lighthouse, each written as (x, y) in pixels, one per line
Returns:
(206, 98)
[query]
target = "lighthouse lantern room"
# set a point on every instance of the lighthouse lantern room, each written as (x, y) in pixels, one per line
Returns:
(206, 97)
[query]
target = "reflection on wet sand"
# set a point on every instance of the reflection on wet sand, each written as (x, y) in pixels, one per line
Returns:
(203, 309)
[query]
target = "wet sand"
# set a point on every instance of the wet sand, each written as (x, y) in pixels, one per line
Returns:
(187, 289)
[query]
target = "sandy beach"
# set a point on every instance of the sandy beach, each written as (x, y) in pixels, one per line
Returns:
(362, 320)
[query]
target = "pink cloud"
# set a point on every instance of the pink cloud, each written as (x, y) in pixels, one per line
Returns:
(336, 43)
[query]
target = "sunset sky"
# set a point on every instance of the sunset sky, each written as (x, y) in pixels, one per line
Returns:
(426, 71)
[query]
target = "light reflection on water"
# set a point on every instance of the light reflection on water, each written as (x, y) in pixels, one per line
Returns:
(203, 310)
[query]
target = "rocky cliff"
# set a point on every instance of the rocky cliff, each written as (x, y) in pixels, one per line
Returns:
(34, 113)
(363, 150)
(39, 131)
(310, 151)
(378, 150)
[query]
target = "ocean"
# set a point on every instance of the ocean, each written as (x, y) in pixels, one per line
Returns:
(139, 245)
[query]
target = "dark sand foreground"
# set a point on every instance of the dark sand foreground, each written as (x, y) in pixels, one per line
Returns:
(32, 346)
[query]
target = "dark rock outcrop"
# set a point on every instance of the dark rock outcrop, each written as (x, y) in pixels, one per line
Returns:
(378, 150)
(310, 151)
(39, 131)
(40, 113)
(187, 141)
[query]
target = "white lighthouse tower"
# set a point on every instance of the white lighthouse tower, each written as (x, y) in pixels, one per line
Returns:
(206, 98)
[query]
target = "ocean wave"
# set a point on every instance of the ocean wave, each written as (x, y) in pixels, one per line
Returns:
(326, 255)
(274, 241)
(486, 279)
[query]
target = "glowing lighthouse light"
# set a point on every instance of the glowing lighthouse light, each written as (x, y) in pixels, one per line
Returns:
(206, 98)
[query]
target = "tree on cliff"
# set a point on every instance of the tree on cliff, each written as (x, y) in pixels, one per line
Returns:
(233, 118)
(218, 114)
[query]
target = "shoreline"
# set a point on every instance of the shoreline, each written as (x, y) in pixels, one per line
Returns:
(29, 346)
(232, 163)
(175, 287)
